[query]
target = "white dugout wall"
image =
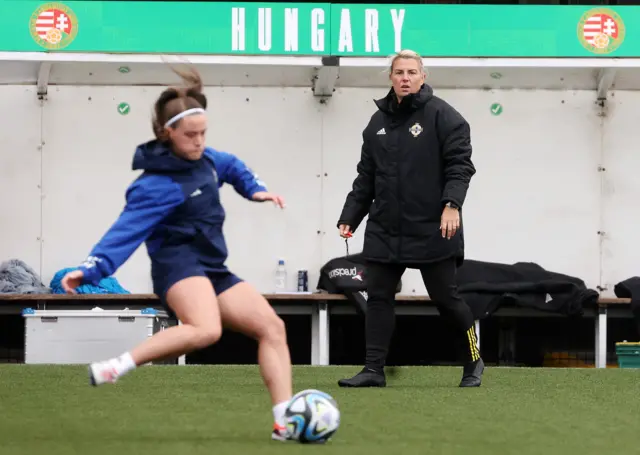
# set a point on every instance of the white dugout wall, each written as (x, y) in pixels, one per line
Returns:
(539, 193)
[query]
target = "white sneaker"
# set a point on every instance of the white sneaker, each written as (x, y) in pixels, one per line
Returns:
(280, 433)
(102, 373)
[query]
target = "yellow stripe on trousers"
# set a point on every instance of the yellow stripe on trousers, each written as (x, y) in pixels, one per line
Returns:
(473, 344)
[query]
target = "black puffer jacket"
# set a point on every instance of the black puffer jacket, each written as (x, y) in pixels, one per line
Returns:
(416, 156)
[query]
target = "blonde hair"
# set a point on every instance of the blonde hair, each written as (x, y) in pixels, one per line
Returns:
(408, 54)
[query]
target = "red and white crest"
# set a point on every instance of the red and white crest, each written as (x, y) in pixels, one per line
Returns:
(598, 25)
(601, 30)
(53, 18)
(54, 25)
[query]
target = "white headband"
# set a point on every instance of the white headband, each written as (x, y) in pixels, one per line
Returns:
(175, 118)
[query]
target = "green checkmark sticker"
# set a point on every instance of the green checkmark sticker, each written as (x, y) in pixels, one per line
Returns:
(124, 108)
(496, 108)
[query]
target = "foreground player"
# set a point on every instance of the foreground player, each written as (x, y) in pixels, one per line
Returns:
(174, 207)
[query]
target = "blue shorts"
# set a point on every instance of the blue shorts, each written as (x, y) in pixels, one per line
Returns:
(221, 280)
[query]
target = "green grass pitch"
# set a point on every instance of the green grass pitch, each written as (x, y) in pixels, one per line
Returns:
(195, 410)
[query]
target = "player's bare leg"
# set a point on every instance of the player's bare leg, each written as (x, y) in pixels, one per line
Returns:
(244, 310)
(195, 304)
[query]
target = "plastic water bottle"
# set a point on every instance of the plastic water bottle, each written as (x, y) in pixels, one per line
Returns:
(281, 276)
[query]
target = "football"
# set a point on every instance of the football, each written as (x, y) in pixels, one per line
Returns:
(312, 416)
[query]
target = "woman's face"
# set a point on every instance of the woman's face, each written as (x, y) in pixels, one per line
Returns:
(188, 137)
(406, 77)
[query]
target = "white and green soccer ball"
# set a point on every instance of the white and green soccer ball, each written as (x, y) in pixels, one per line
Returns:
(312, 416)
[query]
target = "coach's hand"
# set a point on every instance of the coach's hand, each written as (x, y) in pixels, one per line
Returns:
(345, 231)
(450, 222)
(262, 196)
(71, 281)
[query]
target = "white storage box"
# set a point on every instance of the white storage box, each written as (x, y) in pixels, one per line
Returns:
(84, 336)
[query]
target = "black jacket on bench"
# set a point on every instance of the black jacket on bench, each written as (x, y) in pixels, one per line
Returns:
(630, 289)
(486, 286)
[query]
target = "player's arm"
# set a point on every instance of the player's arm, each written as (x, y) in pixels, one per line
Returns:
(234, 171)
(149, 200)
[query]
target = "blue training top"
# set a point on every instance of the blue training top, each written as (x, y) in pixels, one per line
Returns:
(174, 207)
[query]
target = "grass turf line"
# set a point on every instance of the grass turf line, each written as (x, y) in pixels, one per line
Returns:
(197, 410)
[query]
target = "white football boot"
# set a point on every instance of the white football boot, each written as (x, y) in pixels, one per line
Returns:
(103, 373)
(280, 433)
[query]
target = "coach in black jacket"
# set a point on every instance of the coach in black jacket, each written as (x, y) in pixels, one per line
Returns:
(413, 175)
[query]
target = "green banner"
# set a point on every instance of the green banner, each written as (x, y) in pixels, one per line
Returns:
(319, 29)
(485, 30)
(165, 27)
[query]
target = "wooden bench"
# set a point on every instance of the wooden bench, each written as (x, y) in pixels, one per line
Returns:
(319, 306)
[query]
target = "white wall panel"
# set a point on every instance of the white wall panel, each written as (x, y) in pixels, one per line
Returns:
(621, 190)
(275, 131)
(20, 175)
(87, 169)
(536, 193)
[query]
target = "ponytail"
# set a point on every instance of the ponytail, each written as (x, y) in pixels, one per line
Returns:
(174, 100)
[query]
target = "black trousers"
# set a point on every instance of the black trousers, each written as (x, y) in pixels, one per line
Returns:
(440, 281)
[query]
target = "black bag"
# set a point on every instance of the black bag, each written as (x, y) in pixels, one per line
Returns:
(347, 275)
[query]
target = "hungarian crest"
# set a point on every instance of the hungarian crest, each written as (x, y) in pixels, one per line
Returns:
(53, 26)
(601, 30)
